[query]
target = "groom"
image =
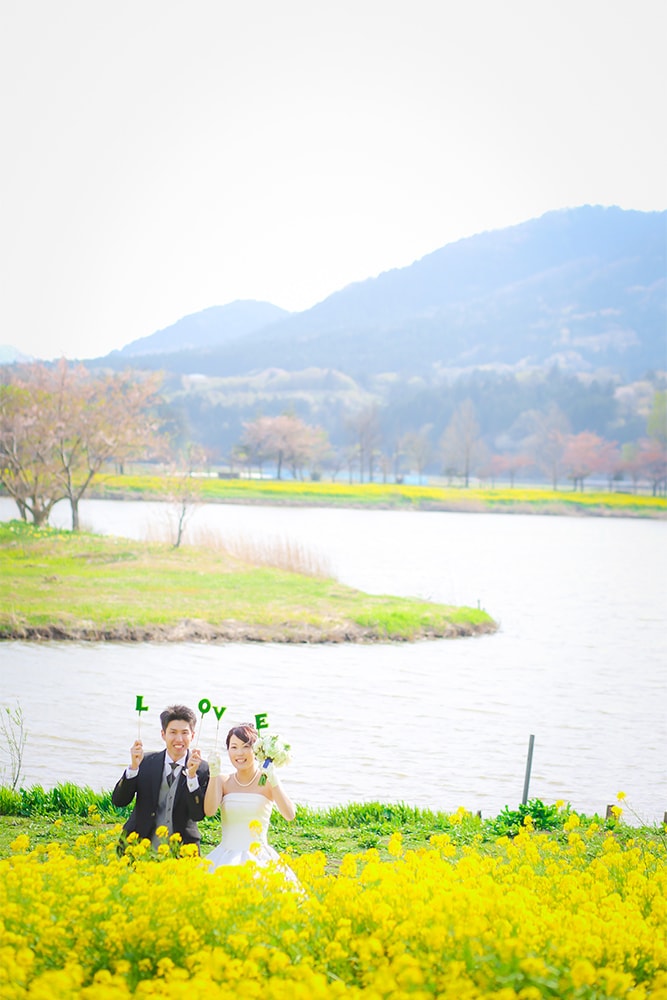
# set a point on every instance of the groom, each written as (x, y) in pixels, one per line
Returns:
(169, 785)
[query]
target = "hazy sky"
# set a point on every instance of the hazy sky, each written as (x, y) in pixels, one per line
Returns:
(161, 157)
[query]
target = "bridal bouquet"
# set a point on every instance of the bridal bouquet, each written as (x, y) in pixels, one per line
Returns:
(271, 750)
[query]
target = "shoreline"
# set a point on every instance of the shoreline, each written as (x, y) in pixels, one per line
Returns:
(391, 497)
(233, 632)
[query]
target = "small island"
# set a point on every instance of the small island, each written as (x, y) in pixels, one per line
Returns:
(79, 586)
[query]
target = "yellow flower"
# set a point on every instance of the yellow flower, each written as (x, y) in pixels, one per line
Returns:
(395, 845)
(348, 866)
(162, 832)
(458, 817)
(583, 973)
(188, 851)
(279, 962)
(255, 847)
(81, 923)
(620, 796)
(255, 826)
(164, 966)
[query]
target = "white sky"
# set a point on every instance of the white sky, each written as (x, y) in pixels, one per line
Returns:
(161, 157)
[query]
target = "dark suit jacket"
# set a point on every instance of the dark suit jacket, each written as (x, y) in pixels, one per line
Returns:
(188, 806)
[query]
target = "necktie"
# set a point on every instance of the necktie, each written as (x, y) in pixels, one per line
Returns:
(170, 774)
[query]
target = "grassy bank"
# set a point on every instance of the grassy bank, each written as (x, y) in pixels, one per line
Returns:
(56, 584)
(67, 812)
(386, 496)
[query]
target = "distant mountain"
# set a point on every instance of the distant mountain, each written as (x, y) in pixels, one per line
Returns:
(10, 355)
(582, 288)
(210, 327)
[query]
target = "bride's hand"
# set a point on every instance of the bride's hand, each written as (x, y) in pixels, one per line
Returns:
(272, 775)
(215, 765)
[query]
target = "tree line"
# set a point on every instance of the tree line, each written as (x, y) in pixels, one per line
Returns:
(61, 424)
(548, 450)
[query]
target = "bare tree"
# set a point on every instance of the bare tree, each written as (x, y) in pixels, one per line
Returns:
(364, 426)
(631, 464)
(14, 736)
(352, 461)
(394, 459)
(551, 430)
(185, 492)
(461, 445)
(334, 461)
(417, 447)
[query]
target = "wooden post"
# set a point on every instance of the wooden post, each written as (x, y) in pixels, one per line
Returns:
(609, 814)
(529, 764)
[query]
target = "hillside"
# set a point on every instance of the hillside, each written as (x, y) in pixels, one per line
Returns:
(210, 327)
(583, 289)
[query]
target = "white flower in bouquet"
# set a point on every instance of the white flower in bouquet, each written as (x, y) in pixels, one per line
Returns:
(271, 752)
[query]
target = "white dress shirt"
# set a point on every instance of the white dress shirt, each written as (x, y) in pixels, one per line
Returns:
(193, 783)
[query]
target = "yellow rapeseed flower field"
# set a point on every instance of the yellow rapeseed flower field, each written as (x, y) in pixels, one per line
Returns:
(577, 915)
(393, 495)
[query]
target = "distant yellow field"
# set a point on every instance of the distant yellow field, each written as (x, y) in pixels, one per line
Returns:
(384, 495)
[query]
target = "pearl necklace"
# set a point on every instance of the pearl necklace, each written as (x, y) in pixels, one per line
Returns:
(245, 784)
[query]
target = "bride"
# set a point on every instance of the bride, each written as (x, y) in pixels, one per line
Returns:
(245, 805)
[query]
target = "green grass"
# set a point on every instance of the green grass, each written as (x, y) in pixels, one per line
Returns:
(386, 496)
(82, 585)
(65, 812)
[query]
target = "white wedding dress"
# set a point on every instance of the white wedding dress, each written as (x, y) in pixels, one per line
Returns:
(237, 811)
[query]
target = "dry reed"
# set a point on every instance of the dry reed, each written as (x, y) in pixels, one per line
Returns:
(279, 553)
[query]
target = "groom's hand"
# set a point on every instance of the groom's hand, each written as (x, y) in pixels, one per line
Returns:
(194, 760)
(136, 754)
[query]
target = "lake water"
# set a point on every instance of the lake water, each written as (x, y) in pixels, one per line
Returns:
(580, 661)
